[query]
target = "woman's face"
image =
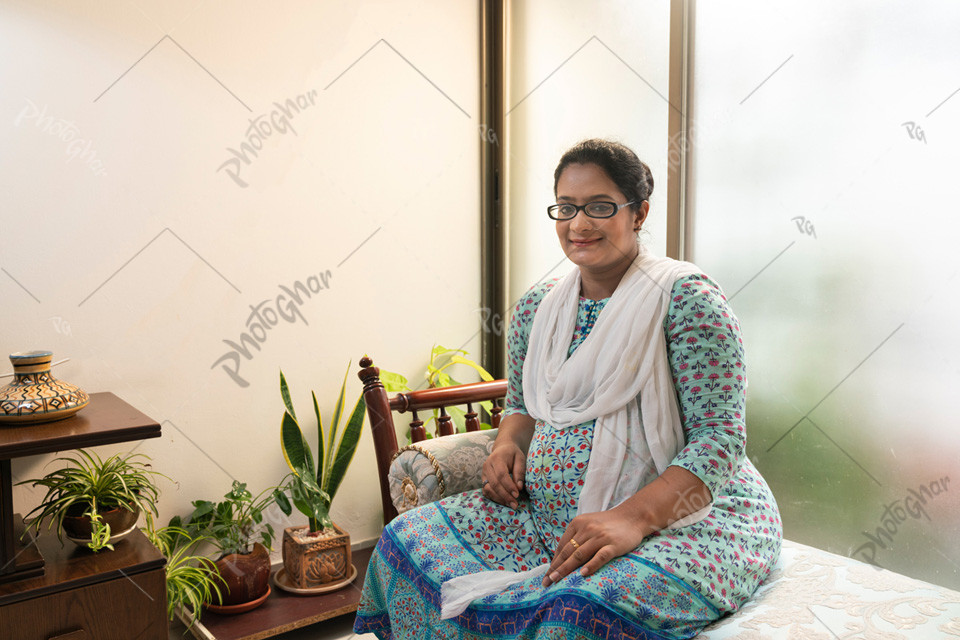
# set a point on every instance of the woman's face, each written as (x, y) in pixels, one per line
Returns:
(597, 245)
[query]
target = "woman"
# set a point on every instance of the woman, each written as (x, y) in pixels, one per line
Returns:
(618, 501)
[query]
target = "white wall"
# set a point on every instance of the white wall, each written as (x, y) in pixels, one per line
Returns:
(126, 246)
(580, 70)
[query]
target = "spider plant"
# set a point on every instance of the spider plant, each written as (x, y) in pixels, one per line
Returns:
(191, 579)
(90, 486)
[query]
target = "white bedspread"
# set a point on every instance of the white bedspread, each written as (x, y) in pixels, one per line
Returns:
(816, 595)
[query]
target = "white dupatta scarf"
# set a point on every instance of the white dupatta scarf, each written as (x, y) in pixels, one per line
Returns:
(623, 359)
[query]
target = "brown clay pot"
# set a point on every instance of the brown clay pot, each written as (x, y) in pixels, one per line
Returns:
(314, 564)
(244, 576)
(78, 526)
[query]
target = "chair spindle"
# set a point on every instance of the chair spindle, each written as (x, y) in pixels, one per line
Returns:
(417, 432)
(495, 416)
(473, 424)
(444, 423)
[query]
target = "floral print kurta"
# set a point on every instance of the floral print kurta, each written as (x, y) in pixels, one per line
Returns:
(671, 586)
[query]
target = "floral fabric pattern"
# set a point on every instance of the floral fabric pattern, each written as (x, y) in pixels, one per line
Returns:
(671, 586)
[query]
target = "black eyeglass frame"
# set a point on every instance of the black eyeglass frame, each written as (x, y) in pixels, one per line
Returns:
(616, 207)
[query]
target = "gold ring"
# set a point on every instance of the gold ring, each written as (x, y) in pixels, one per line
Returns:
(574, 543)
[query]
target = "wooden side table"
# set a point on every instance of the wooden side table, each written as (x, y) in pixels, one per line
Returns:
(52, 592)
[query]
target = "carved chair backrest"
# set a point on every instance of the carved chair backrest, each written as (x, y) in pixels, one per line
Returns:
(380, 410)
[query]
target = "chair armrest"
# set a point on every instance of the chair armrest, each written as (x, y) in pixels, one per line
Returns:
(433, 469)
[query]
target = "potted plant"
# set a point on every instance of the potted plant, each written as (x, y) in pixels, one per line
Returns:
(235, 527)
(96, 502)
(441, 358)
(191, 580)
(318, 553)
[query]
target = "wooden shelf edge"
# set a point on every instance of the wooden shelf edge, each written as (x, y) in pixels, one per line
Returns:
(108, 419)
(225, 627)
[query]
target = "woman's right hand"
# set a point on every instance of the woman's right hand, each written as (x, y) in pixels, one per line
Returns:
(503, 473)
(504, 468)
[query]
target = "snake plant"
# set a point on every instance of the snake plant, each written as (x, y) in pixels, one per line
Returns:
(314, 483)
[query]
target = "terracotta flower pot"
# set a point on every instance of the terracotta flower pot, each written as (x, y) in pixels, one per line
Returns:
(244, 576)
(78, 527)
(316, 562)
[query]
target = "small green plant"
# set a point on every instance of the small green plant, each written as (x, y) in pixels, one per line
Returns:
(441, 358)
(191, 579)
(99, 533)
(89, 486)
(313, 485)
(231, 525)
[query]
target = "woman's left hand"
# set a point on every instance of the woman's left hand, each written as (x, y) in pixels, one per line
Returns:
(594, 539)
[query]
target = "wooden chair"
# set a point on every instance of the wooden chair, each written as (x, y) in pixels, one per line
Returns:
(380, 410)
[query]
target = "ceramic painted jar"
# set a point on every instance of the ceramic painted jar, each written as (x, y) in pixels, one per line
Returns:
(35, 395)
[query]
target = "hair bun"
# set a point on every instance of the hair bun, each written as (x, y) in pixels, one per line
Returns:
(647, 179)
(632, 176)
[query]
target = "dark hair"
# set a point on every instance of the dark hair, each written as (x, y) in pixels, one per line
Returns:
(618, 161)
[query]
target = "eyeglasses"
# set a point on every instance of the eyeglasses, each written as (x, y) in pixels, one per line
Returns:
(592, 209)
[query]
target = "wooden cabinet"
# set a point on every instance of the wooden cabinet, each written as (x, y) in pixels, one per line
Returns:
(111, 595)
(108, 610)
(56, 592)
